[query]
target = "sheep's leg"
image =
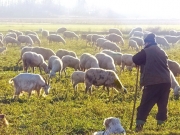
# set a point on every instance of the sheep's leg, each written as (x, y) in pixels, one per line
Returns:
(16, 94)
(88, 87)
(29, 94)
(38, 92)
(122, 67)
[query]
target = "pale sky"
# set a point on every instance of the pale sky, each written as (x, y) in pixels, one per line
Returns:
(139, 8)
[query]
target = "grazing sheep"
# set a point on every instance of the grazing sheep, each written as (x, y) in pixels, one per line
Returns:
(55, 38)
(55, 64)
(174, 85)
(112, 126)
(30, 32)
(88, 61)
(88, 39)
(133, 44)
(110, 46)
(135, 29)
(3, 120)
(25, 39)
(138, 34)
(162, 42)
(3, 50)
(13, 35)
(173, 32)
(100, 42)
(172, 39)
(127, 61)
(70, 34)
(139, 41)
(115, 38)
(116, 31)
(28, 82)
(35, 38)
(33, 59)
(94, 37)
(16, 31)
(174, 67)
(61, 30)
(99, 77)
(76, 78)
(69, 61)
(45, 33)
(62, 52)
(105, 61)
(115, 55)
(11, 40)
(45, 52)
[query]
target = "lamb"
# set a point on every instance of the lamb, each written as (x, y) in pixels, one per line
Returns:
(69, 61)
(139, 41)
(55, 64)
(25, 39)
(162, 41)
(172, 39)
(33, 59)
(45, 33)
(133, 44)
(112, 126)
(110, 46)
(76, 78)
(28, 82)
(11, 40)
(174, 67)
(105, 61)
(117, 56)
(135, 29)
(115, 38)
(100, 42)
(61, 30)
(45, 52)
(174, 85)
(3, 50)
(55, 38)
(35, 38)
(99, 77)
(138, 34)
(116, 31)
(3, 120)
(88, 61)
(127, 61)
(70, 34)
(62, 52)
(94, 37)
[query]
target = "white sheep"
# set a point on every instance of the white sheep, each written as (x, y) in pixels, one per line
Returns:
(174, 67)
(3, 50)
(110, 46)
(100, 42)
(11, 40)
(173, 32)
(30, 32)
(25, 39)
(69, 61)
(174, 85)
(55, 64)
(115, 55)
(115, 38)
(102, 77)
(70, 34)
(162, 42)
(105, 61)
(88, 61)
(45, 33)
(172, 39)
(139, 41)
(13, 35)
(35, 38)
(62, 52)
(55, 38)
(61, 30)
(29, 82)
(94, 37)
(133, 44)
(127, 61)
(76, 78)
(33, 59)
(116, 31)
(135, 29)
(112, 126)
(138, 34)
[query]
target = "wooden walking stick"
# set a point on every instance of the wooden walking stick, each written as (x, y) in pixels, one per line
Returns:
(135, 97)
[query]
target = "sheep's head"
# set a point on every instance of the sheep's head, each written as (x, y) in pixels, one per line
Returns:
(46, 87)
(119, 86)
(3, 120)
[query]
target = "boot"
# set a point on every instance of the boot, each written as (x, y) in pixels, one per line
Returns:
(139, 125)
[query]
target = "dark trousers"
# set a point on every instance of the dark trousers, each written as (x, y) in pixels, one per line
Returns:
(154, 94)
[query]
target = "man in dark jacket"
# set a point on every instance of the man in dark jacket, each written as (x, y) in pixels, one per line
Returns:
(155, 77)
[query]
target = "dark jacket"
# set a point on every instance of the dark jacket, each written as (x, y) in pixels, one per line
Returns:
(154, 65)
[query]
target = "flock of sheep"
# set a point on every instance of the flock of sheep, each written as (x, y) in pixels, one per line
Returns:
(99, 69)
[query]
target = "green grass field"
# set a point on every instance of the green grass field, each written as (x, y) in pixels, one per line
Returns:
(62, 112)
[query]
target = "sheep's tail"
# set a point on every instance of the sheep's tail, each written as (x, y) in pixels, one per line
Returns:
(11, 81)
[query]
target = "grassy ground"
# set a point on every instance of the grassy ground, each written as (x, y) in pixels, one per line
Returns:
(63, 112)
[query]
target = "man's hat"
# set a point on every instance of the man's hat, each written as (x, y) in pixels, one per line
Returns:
(150, 38)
